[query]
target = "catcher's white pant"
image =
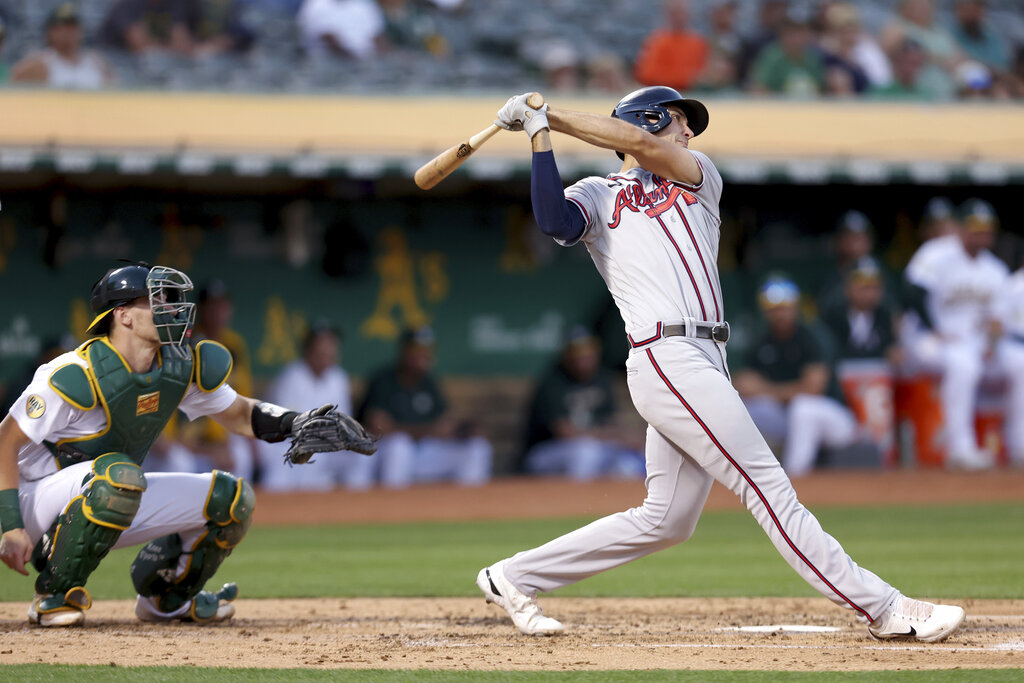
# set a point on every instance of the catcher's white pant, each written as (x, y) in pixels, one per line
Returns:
(172, 503)
(698, 431)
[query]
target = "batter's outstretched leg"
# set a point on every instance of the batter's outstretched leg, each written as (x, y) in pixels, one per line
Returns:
(694, 404)
(676, 491)
(170, 572)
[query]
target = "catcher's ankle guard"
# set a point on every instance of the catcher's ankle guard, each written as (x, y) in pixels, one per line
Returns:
(272, 423)
(155, 572)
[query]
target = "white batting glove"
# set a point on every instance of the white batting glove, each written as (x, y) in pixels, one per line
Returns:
(518, 115)
(506, 119)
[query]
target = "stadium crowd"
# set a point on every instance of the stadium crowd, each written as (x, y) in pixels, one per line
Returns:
(909, 49)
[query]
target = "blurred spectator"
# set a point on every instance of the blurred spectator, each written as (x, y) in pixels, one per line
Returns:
(952, 282)
(607, 73)
(419, 441)
(142, 26)
(914, 77)
(977, 38)
(558, 64)
(203, 444)
(974, 80)
(853, 60)
(63, 63)
(571, 428)
(790, 66)
(314, 380)
(721, 70)
(770, 17)
(342, 28)
(1009, 311)
(218, 28)
(916, 21)
(674, 55)
(785, 382)
(407, 25)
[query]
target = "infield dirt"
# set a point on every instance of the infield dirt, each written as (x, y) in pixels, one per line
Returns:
(602, 633)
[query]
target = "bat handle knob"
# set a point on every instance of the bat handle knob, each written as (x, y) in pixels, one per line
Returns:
(535, 100)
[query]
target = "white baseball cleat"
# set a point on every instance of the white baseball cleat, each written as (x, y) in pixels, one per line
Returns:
(55, 610)
(917, 619)
(525, 612)
(204, 608)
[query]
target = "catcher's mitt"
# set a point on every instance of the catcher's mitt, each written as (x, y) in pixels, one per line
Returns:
(324, 429)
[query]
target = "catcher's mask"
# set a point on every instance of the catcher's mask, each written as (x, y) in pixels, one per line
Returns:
(166, 289)
(647, 108)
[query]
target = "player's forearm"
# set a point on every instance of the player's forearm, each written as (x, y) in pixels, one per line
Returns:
(555, 216)
(600, 131)
(11, 441)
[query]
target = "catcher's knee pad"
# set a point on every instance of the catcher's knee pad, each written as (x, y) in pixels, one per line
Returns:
(156, 571)
(90, 524)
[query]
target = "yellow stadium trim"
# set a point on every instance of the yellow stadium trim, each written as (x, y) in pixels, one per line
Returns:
(67, 398)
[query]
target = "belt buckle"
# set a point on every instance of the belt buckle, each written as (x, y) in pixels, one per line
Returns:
(720, 332)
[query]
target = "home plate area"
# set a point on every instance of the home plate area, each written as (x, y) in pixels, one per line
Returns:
(798, 634)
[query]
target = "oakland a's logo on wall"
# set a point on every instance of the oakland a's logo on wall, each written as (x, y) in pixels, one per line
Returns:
(35, 406)
(148, 403)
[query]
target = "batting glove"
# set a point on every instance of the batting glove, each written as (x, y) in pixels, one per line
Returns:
(518, 115)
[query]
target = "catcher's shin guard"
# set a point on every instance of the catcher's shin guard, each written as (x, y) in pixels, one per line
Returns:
(90, 525)
(156, 571)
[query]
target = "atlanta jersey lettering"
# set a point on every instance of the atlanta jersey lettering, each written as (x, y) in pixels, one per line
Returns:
(655, 243)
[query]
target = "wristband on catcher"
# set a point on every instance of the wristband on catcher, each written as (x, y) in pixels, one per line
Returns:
(272, 423)
(10, 511)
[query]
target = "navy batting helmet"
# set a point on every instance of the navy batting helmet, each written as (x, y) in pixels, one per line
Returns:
(647, 108)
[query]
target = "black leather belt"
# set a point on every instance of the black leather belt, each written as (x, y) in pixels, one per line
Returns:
(719, 332)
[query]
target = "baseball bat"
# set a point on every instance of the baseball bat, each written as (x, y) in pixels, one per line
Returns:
(437, 169)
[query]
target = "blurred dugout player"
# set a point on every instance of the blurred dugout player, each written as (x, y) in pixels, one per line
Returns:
(862, 327)
(420, 441)
(316, 378)
(571, 428)
(787, 384)
(952, 283)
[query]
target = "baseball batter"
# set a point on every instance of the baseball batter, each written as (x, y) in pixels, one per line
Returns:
(652, 230)
(71, 486)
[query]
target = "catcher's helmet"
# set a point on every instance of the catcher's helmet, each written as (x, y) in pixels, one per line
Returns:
(165, 288)
(641, 106)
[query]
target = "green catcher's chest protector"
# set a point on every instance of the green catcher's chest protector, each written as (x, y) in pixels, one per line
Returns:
(138, 405)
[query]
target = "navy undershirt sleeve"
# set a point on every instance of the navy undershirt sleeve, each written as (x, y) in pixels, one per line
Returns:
(556, 215)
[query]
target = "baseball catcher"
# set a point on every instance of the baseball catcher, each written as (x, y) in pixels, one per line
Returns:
(71, 449)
